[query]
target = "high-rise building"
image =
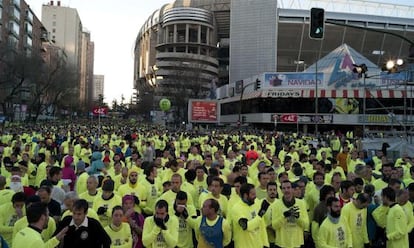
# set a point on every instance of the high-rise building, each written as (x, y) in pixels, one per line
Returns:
(66, 30)
(98, 86)
(253, 26)
(20, 30)
(183, 50)
(90, 78)
(86, 70)
(22, 35)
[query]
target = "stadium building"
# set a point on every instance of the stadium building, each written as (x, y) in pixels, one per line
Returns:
(219, 49)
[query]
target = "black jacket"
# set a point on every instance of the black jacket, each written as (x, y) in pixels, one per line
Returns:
(93, 236)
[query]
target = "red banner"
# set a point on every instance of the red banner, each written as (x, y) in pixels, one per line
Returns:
(204, 111)
(100, 111)
(289, 118)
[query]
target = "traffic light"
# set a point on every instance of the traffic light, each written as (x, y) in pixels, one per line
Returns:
(317, 23)
(257, 84)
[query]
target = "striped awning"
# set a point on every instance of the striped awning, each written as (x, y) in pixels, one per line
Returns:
(322, 93)
(357, 93)
(333, 93)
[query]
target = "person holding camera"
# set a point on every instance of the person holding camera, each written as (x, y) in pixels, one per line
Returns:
(184, 213)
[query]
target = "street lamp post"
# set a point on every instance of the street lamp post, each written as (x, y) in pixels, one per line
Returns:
(240, 105)
(364, 105)
(362, 72)
(391, 67)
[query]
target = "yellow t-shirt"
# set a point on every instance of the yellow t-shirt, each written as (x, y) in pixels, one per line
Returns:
(120, 236)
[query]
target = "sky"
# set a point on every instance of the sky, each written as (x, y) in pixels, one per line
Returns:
(114, 26)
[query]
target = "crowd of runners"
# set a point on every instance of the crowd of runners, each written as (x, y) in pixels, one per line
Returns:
(125, 185)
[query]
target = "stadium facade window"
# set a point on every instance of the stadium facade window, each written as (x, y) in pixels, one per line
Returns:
(203, 34)
(181, 30)
(193, 33)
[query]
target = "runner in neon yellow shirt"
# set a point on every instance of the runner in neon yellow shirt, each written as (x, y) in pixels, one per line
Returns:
(334, 230)
(160, 230)
(30, 237)
(118, 231)
(249, 228)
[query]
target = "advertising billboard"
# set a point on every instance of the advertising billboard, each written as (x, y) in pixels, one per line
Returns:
(204, 111)
(293, 80)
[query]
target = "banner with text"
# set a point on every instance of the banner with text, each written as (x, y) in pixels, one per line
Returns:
(293, 80)
(203, 111)
(282, 93)
(322, 119)
(100, 111)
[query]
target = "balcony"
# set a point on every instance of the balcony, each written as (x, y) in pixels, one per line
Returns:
(16, 3)
(12, 44)
(14, 28)
(29, 16)
(44, 36)
(15, 13)
(28, 43)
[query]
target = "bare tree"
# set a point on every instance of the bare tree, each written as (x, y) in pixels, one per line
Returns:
(54, 85)
(28, 79)
(17, 71)
(188, 82)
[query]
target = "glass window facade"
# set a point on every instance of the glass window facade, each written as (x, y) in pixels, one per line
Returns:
(29, 28)
(181, 28)
(204, 34)
(305, 105)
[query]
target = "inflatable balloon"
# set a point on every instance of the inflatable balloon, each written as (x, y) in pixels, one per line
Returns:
(165, 104)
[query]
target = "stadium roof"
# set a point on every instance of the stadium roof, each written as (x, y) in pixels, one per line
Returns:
(352, 6)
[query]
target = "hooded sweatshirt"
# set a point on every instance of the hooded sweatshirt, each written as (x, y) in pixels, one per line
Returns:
(96, 165)
(68, 172)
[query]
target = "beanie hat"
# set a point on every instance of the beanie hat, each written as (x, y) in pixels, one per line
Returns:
(126, 198)
(80, 165)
